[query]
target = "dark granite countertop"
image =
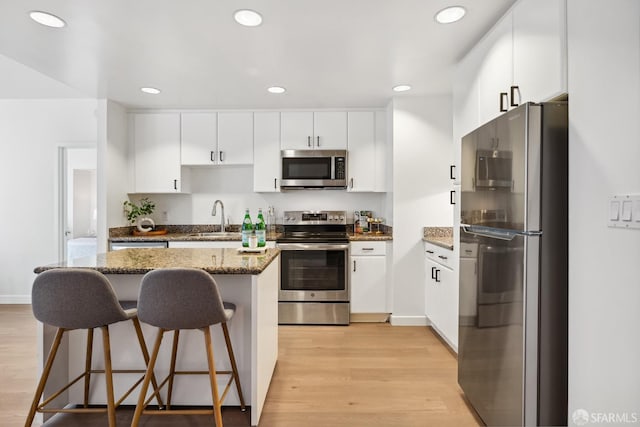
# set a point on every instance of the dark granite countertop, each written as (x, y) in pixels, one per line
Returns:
(440, 236)
(143, 260)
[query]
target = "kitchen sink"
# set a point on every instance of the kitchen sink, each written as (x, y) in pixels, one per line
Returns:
(217, 234)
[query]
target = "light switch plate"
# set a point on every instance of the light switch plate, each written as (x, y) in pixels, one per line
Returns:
(624, 211)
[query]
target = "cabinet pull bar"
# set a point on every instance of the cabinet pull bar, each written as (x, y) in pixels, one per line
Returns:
(367, 249)
(442, 257)
(222, 156)
(275, 183)
(354, 265)
(433, 272)
(437, 276)
(451, 169)
(503, 95)
(175, 184)
(513, 95)
(308, 141)
(318, 139)
(351, 183)
(452, 197)
(429, 252)
(213, 156)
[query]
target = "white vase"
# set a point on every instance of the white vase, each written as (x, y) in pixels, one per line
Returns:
(145, 224)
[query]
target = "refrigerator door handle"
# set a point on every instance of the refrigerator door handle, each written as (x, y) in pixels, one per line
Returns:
(497, 233)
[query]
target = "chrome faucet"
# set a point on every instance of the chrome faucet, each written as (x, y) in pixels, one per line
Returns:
(213, 213)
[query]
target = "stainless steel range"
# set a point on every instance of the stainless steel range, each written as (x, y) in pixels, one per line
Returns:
(314, 281)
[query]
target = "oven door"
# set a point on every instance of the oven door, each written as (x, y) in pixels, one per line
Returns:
(314, 272)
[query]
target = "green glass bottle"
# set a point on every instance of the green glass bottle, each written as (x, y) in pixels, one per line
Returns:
(261, 230)
(247, 229)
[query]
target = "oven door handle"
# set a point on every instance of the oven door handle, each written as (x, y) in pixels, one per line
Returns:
(312, 246)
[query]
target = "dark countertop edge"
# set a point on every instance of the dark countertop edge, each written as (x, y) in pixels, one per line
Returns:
(105, 270)
(438, 243)
(186, 238)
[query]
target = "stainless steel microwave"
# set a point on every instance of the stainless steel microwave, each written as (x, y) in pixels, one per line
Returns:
(313, 169)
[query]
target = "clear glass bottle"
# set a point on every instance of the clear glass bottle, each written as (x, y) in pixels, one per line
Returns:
(247, 228)
(261, 230)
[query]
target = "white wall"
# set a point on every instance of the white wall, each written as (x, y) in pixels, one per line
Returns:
(422, 153)
(604, 159)
(30, 133)
(113, 168)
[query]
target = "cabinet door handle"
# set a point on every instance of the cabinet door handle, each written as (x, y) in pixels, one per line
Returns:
(275, 183)
(367, 249)
(430, 252)
(213, 156)
(437, 276)
(175, 184)
(452, 197)
(354, 265)
(433, 272)
(222, 156)
(503, 95)
(308, 141)
(318, 139)
(451, 169)
(351, 183)
(513, 95)
(442, 257)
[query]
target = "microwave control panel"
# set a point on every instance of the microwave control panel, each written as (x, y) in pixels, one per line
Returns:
(341, 168)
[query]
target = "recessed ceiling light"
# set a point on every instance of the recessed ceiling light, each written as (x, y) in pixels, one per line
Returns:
(450, 14)
(151, 90)
(47, 19)
(276, 89)
(401, 88)
(247, 17)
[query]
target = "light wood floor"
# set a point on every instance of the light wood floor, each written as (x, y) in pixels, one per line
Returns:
(360, 375)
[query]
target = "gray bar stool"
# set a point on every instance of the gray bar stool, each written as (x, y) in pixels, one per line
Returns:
(71, 298)
(185, 298)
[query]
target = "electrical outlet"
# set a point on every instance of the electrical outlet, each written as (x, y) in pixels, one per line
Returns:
(164, 217)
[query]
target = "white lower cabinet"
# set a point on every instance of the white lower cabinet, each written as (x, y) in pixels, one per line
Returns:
(368, 278)
(441, 293)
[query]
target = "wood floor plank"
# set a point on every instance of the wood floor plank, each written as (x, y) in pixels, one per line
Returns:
(365, 374)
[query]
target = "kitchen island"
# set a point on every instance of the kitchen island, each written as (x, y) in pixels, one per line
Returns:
(250, 281)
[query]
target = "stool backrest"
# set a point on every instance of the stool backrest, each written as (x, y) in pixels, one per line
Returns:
(74, 298)
(180, 298)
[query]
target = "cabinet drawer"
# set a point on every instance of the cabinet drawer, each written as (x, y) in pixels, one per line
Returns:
(368, 248)
(440, 255)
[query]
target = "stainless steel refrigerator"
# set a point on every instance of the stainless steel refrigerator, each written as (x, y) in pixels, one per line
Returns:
(512, 353)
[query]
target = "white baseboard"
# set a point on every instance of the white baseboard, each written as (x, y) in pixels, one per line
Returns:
(15, 299)
(396, 320)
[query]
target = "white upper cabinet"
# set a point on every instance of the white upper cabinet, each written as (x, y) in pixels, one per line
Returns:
(235, 138)
(266, 163)
(361, 166)
(156, 153)
(539, 49)
(217, 138)
(496, 70)
(303, 130)
(199, 145)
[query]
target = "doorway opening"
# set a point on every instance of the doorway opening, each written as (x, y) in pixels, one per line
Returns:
(78, 202)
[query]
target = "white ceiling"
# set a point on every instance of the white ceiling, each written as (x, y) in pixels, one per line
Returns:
(327, 53)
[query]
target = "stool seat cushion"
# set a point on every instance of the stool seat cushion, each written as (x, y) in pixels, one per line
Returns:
(74, 298)
(181, 298)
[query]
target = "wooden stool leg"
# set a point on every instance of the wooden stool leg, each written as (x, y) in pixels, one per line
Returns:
(172, 368)
(45, 375)
(145, 355)
(147, 378)
(87, 367)
(212, 376)
(234, 366)
(111, 409)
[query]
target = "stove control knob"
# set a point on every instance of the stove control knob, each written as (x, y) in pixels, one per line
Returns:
(331, 218)
(341, 217)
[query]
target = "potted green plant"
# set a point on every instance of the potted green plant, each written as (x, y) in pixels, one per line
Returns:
(137, 214)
